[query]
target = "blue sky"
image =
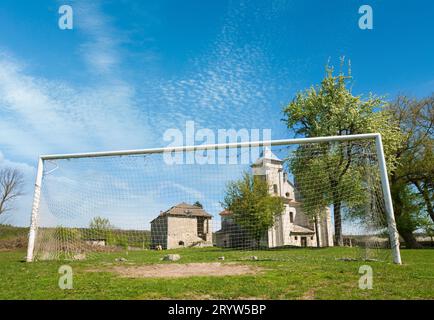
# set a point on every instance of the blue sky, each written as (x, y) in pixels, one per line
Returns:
(130, 70)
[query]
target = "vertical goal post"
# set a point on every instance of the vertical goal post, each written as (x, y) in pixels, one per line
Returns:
(391, 224)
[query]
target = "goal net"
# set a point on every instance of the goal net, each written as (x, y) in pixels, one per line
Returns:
(312, 193)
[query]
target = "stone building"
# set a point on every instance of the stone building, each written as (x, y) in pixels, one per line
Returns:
(291, 228)
(183, 225)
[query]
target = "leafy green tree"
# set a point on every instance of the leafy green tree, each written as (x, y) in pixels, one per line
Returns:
(101, 228)
(331, 109)
(99, 223)
(416, 153)
(428, 228)
(409, 217)
(313, 168)
(413, 177)
(198, 204)
(252, 206)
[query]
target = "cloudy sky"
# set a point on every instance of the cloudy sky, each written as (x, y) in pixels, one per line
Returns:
(130, 70)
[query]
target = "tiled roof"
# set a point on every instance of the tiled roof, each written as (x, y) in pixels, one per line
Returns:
(267, 154)
(186, 210)
(225, 213)
(291, 202)
(296, 229)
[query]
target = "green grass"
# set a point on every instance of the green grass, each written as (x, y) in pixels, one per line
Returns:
(288, 274)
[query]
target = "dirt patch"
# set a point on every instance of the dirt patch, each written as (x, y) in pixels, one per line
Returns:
(176, 270)
(309, 295)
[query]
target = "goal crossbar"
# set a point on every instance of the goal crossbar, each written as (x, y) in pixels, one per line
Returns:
(391, 224)
(243, 144)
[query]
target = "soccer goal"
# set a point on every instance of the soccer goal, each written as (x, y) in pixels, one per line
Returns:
(277, 194)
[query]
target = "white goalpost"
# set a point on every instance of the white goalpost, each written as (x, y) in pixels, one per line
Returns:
(174, 197)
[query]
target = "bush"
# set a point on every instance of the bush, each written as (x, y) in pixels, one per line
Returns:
(66, 234)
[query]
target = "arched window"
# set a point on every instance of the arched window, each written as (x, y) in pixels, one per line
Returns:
(275, 188)
(291, 217)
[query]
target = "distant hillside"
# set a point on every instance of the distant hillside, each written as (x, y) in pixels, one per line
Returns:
(9, 232)
(16, 237)
(13, 237)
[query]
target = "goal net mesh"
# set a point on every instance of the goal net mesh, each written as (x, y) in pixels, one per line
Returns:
(214, 198)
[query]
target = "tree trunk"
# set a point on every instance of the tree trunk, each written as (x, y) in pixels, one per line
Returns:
(404, 232)
(316, 232)
(410, 240)
(429, 205)
(338, 224)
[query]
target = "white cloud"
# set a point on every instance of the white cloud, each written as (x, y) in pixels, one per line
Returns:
(224, 88)
(101, 49)
(40, 116)
(166, 187)
(21, 166)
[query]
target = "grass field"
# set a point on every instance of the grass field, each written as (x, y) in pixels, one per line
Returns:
(285, 274)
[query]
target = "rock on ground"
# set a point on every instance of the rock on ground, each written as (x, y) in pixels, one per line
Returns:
(79, 256)
(171, 257)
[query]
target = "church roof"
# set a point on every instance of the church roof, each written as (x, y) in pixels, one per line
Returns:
(267, 154)
(291, 202)
(185, 210)
(225, 213)
(296, 229)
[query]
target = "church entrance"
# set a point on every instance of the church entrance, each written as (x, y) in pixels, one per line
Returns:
(303, 241)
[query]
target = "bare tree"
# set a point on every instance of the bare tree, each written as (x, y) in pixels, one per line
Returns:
(11, 187)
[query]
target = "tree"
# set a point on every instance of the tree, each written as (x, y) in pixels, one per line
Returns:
(99, 223)
(198, 204)
(101, 228)
(252, 206)
(428, 228)
(408, 214)
(413, 177)
(313, 168)
(11, 187)
(416, 153)
(331, 109)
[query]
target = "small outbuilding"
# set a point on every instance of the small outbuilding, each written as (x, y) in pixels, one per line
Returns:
(183, 225)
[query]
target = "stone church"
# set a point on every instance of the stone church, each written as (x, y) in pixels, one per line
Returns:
(292, 227)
